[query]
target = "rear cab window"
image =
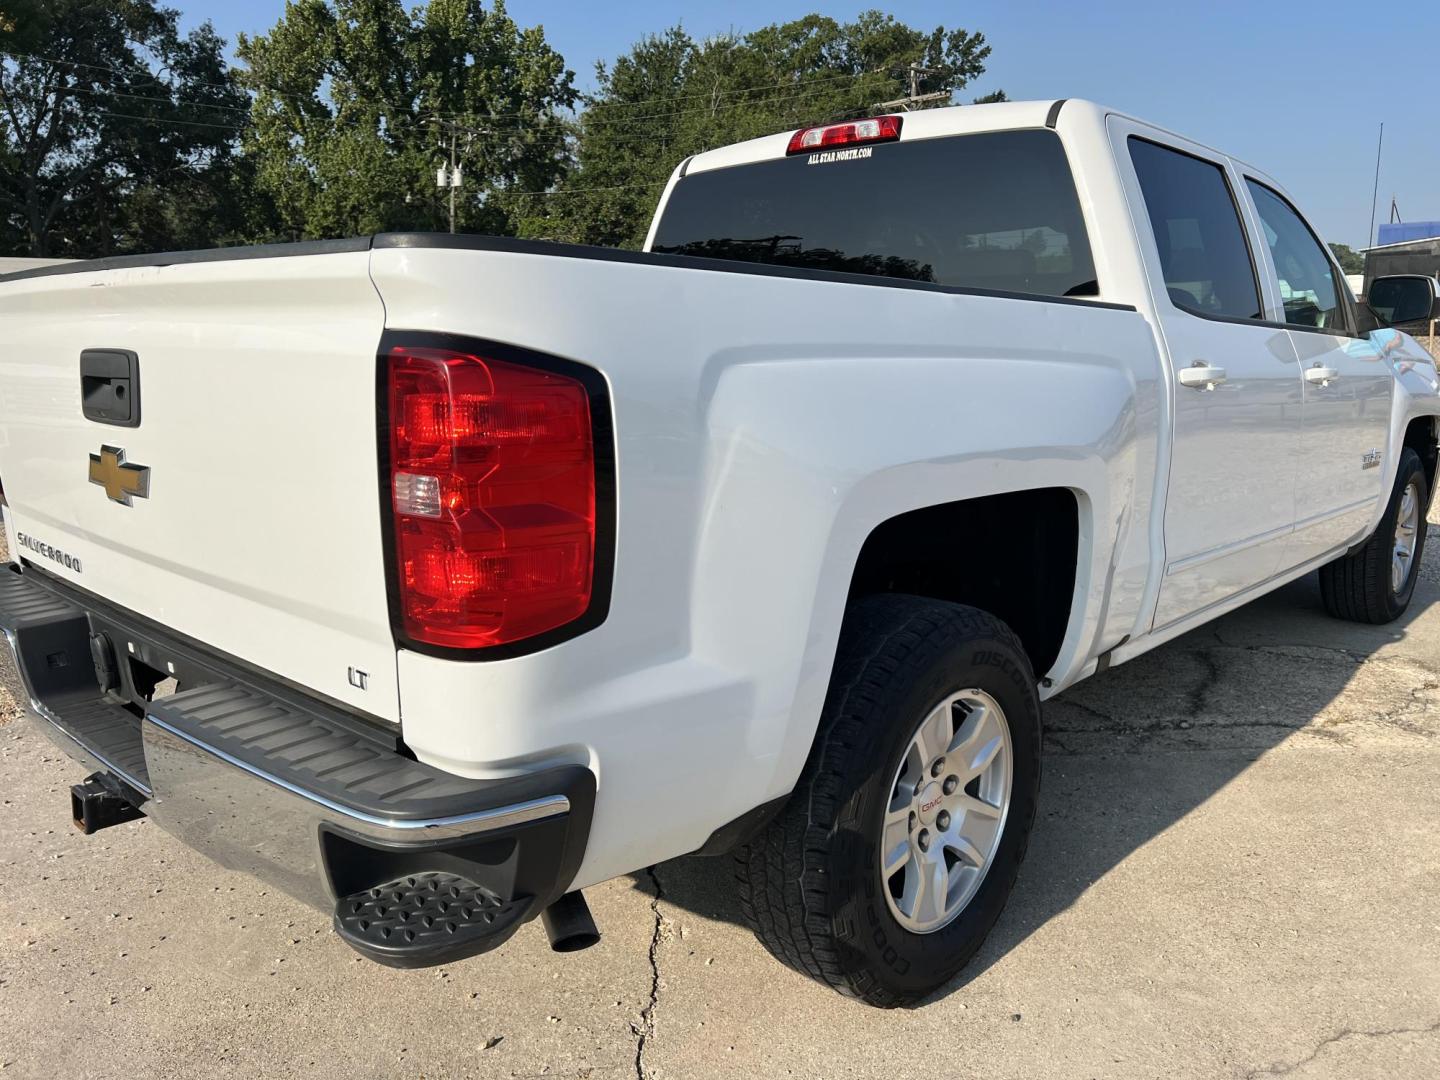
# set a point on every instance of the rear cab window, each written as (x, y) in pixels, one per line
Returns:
(994, 211)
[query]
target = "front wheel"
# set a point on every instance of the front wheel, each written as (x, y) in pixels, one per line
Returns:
(896, 853)
(1374, 583)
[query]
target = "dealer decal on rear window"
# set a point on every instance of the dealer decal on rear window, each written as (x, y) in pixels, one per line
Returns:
(826, 157)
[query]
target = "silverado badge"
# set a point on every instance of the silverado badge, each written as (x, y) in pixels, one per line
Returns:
(120, 480)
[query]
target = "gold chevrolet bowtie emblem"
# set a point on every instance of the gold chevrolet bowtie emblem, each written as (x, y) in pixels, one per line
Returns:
(119, 479)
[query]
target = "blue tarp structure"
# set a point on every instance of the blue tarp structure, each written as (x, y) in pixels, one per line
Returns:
(1402, 232)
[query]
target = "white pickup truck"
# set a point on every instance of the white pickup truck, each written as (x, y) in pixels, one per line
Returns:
(437, 578)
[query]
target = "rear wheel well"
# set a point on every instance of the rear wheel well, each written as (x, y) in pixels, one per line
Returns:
(1013, 555)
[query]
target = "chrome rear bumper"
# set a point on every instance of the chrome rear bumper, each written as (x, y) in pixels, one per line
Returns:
(286, 788)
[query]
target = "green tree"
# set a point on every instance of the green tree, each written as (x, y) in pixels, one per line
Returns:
(359, 102)
(671, 96)
(116, 133)
(1350, 260)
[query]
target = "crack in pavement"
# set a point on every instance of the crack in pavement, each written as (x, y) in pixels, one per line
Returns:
(1116, 724)
(1279, 1069)
(1199, 694)
(1190, 727)
(1195, 701)
(1301, 653)
(1287, 649)
(644, 1030)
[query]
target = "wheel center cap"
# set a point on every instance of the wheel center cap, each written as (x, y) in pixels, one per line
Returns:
(927, 803)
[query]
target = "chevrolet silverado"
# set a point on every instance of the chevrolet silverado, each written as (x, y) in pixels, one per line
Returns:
(437, 578)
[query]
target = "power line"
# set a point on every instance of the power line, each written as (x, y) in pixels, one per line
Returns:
(584, 190)
(738, 90)
(129, 73)
(497, 190)
(169, 120)
(854, 76)
(807, 85)
(240, 84)
(587, 116)
(190, 102)
(719, 108)
(668, 114)
(402, 121)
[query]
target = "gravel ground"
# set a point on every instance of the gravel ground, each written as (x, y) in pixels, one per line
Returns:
(1235, 873)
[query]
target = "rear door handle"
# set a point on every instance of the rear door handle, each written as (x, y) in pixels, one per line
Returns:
(1201, 376)
(1321, 375)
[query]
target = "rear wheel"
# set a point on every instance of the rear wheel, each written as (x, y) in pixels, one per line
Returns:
(1374, 583)
(895, 855)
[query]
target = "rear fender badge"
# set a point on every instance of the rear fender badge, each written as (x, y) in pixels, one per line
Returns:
(1370, 459)
(121, 480)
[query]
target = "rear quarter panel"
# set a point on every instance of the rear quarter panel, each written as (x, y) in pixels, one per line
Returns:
(764, 427)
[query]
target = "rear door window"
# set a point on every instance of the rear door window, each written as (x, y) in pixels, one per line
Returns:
(1203, 251)
(989, 211)
(1306, 275)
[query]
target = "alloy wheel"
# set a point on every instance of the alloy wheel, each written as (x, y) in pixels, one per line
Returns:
(948, 803)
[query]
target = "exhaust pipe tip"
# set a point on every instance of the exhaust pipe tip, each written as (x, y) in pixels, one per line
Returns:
(568, 924)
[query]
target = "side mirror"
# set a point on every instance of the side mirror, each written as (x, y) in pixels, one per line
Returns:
(1404, 298)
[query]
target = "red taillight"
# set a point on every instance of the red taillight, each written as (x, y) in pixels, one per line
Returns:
(852, 133)
(492, 480)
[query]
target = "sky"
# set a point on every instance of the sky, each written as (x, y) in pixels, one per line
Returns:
(1298, 92)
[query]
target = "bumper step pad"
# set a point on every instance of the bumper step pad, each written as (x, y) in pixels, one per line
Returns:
(425, 919)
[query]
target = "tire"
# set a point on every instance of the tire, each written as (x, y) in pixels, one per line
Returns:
(811, 884)
(1360, 586)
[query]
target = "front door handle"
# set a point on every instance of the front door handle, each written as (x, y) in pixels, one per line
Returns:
(1321, 375)
(1202, 376)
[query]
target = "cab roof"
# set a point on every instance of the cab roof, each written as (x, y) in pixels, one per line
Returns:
(951, 120)
(924, 124)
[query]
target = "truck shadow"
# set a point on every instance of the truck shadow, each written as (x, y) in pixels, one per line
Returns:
(1131, 752)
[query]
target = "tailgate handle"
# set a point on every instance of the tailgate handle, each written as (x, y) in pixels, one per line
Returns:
(110, 386)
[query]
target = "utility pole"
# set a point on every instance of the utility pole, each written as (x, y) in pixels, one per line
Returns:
(450, 177)
(452, 182)
(915, 99)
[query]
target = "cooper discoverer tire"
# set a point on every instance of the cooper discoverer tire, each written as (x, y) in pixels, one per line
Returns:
(1361, 586)
(812, 885)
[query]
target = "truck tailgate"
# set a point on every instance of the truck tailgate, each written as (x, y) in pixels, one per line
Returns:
(255, 526)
